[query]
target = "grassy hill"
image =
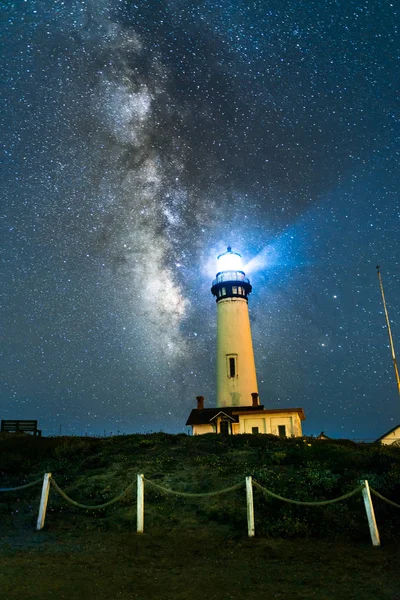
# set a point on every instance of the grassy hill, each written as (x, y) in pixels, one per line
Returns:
(305, 551)
(94, 470)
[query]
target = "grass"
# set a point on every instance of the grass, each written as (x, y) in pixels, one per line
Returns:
(195, 548)
(209, 564)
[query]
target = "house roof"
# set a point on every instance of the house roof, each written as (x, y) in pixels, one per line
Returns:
(323, 436)
(206, 415)
(388, 432)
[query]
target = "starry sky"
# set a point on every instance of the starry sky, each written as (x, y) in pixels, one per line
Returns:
(140, 139)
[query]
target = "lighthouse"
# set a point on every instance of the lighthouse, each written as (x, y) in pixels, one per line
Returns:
(238, 409)
(236, 371)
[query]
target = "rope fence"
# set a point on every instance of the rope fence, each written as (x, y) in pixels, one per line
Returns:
(378, 495)
(22, 487)
(91, 506)
(48, 481)
(304, 503)
(191, 494)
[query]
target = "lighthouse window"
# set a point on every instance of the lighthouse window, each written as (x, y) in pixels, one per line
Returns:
(223, 291)
(232, 369)
(234, 289)
(231, 364)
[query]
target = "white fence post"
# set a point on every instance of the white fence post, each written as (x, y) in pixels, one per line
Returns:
(140, 503)
(43, 501)
(369, 509)
(250, 507)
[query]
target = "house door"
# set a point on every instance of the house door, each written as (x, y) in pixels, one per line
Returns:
(224, 427)
(282, 430)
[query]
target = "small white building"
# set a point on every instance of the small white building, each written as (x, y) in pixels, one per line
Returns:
(391, 437)
(233, 420)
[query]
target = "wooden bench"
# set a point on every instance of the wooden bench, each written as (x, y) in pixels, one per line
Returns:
(20, 426)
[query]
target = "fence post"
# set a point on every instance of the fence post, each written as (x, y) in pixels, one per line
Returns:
(140, 503)
(250, 507)
(369, 509)
(43, 501)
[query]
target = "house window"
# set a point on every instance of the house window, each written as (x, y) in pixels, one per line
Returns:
(254, 430)
(282, 431)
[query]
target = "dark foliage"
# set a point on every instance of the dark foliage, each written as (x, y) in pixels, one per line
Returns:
(94, 470)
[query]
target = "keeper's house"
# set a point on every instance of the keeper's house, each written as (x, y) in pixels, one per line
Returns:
(232, 420)
(391, 437)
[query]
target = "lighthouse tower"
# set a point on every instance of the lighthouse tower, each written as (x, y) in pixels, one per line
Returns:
(238, 409)
(236, 371)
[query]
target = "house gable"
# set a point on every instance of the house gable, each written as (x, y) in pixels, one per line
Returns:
(222, 414)
(390, 437)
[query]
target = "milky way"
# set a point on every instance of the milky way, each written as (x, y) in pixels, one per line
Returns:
(143, 138)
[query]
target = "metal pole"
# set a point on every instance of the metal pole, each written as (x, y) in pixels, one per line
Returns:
(389, 331)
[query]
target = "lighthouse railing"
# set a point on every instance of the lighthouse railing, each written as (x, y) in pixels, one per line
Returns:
(226, 276)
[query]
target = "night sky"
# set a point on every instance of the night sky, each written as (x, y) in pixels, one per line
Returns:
(140, 139)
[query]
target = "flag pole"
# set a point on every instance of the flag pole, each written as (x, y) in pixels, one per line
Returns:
(396, 370)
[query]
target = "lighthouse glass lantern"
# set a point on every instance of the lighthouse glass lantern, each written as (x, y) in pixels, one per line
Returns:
(236, 372)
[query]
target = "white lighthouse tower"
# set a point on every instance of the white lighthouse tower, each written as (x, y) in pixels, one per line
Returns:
(236, 371)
